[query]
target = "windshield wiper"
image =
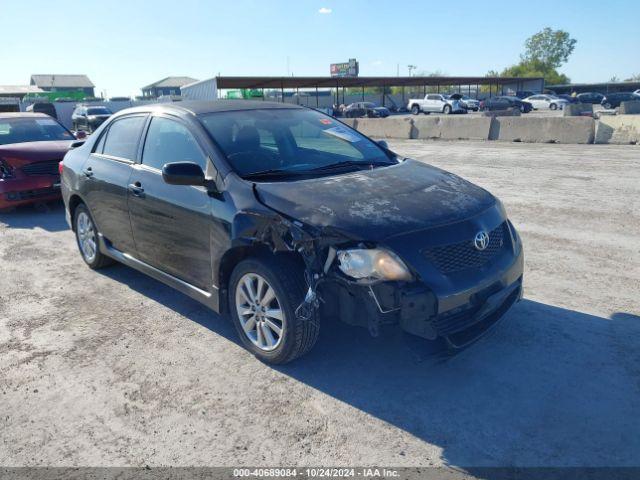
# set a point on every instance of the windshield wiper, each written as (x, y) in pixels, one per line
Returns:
(271, 172)
(351, 163)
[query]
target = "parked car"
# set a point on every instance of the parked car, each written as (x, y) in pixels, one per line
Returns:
(89, 118)
(505, 102)
(544, 102)
(590, 97)
(31, 146)
(436, 102)
(259, 209)
(365, 109)
(43, 107)
(470, 103)
(613, 100)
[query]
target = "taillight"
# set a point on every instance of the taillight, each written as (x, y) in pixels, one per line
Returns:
(60, 167)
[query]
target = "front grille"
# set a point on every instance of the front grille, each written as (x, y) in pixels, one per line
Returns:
(461, 256)
(50, 167)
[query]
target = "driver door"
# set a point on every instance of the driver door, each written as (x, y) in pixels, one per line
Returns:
(171, 223)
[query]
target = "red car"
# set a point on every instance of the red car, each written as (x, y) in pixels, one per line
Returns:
(31, 146)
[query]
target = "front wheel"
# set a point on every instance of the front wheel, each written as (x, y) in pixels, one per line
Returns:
(522, 109)
(446, 109)
(607, 105)
(263, 297)
(415, 109)
(87, 238)
(553, 106)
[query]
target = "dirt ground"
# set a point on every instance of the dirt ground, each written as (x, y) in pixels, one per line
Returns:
(113, 368)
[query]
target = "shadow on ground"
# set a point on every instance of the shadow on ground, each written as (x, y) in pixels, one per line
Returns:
(48, 216)
(548, 387)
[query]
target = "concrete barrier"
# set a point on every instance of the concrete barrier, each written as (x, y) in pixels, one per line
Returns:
(543, 130)
(352, 122)
(577, 110)
(619, 129)
(385, 127)
(509, 112)
(629, 108)
(452, 128)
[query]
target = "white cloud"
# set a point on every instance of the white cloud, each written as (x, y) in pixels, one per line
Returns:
(325, 11)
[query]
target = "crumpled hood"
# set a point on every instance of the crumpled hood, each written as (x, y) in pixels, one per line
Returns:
(17, 154)
(376, 204)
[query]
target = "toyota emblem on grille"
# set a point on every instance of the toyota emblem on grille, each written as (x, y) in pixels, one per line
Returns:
(481, 241)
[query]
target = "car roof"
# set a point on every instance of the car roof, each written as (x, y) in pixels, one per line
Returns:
(23, 115)
(199, 107)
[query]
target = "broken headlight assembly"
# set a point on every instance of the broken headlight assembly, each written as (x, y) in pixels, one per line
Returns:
(372, 265)
(6, 171)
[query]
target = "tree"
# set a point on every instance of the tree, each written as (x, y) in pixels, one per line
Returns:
(550, 48)
(544, 53)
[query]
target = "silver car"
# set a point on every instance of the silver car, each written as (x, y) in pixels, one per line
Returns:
(543, 102)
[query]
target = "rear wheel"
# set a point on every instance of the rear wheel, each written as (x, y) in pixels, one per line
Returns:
(87, 238)
(263, 296)
(415, 109)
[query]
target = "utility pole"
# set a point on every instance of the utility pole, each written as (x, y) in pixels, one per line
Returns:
(411, 68)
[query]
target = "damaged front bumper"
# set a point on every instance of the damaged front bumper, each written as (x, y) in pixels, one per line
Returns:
(459, 306)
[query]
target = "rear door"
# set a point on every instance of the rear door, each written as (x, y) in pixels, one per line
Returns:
(171, 223)
(105, 178)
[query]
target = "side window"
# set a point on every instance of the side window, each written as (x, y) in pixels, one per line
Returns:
(122, 138)
(170, 141)
(100, 145)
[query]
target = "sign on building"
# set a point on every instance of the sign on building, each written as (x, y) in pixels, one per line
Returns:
(346, 69)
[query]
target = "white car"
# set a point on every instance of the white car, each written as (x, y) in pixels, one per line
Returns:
(543, 102)
(435, 102)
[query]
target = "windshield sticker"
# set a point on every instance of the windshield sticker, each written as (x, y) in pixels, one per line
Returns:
(325, 121)
(343, 133)
(45, 121)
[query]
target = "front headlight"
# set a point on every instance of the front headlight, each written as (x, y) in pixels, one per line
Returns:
(372, 264)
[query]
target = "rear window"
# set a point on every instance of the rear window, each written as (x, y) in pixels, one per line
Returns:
(98, 111)
(122, 137)
(21, 130)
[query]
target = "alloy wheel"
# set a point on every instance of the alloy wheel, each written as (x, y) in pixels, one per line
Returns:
(86, 236)
(259, 312)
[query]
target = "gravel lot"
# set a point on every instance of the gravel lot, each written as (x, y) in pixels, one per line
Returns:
(114, 368)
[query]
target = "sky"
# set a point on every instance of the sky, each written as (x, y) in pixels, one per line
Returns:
(125, 45)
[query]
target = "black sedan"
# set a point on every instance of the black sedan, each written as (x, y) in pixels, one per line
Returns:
(590, 97)
(365, 109)
(89, 118)
(281, 216)
(505, 102)
(613, 100)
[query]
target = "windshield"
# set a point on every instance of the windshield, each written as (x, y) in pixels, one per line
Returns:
(370, 105)
(20, 130)
(289, 141)
(98, 111)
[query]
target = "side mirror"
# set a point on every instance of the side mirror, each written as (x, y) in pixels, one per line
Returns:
(81, 134)
(183, 173)
(383, 144)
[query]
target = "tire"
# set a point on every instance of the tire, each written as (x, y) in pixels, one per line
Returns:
(523, 109)
(81, 216)
(447, 109)
(415, 109)
(553, 106)
(607, 106)
(286, 280)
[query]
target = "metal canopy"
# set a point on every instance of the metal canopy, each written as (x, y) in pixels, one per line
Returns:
(333, 82)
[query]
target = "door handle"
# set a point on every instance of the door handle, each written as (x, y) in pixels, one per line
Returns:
(136, 189)
(88, 172)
